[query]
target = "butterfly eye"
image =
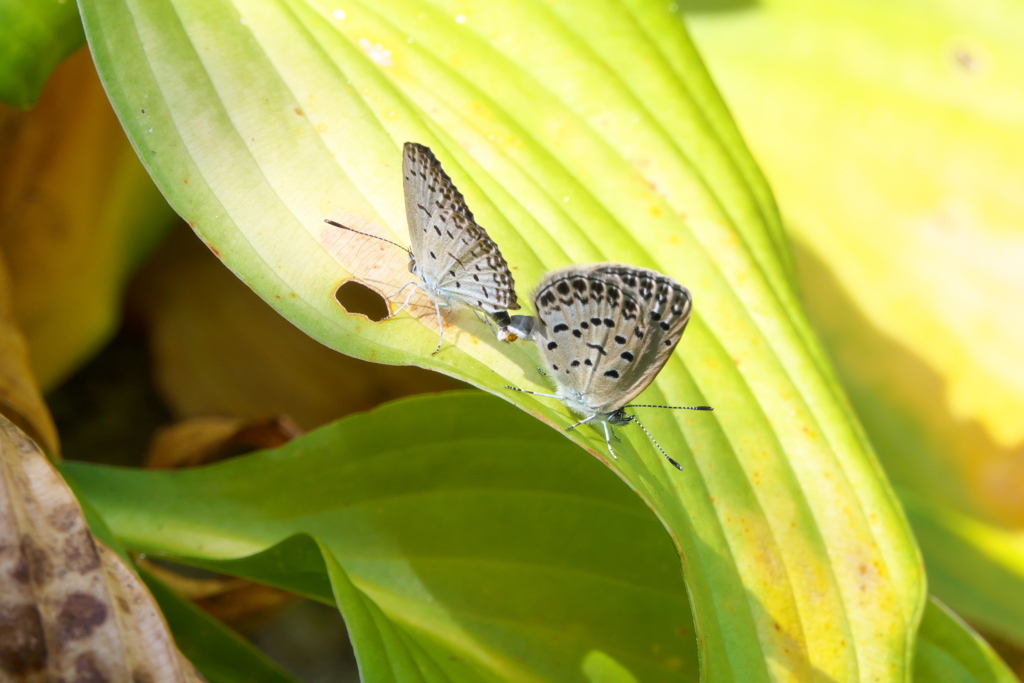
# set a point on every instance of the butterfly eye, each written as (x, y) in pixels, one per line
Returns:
(412, 265)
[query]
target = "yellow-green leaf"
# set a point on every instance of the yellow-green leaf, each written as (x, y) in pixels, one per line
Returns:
(891, 134)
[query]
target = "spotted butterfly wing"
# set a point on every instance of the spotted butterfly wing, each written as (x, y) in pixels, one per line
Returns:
(428, 190)
(456, 259)
(606, 330)
(465, 266)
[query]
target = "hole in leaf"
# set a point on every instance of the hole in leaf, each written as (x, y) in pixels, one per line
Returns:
(355, 297)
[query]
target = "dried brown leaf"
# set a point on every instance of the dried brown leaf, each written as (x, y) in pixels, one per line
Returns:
(202, 440)
(220, 350)
(70, 608)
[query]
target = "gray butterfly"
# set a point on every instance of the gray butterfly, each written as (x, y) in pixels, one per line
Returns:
(456, 262)
(604, 331)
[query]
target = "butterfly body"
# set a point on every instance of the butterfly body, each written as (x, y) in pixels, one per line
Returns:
(604, 332)
(456, 262)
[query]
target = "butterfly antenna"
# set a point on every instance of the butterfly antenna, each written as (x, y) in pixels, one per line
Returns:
(532, 393)
(366, 234)
(632, 418)
(648, 405)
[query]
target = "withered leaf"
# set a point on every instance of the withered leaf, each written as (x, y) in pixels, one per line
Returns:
(70, 608)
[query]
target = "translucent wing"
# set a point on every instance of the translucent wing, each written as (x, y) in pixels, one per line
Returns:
(609, 328)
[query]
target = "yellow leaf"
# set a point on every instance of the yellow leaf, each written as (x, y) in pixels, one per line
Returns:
(77, 213)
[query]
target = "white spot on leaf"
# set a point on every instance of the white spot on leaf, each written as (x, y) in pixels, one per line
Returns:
(377, 52)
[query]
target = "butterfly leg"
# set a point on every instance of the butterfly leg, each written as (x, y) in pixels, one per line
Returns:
(484, 319)
(581, 422)
(608, 439)
(440, 326)
(407, 299)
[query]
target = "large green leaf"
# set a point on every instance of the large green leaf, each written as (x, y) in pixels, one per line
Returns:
(890, 130)
(487, 553)
(218, 652)
(34, 38)
(515, 562)
(578, 131)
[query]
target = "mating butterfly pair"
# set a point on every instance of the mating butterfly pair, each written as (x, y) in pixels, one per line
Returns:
(604, 330)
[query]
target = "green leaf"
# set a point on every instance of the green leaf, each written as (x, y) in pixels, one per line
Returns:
(578, 131)
(948, 651)
(218, 652)
(978, 565)
(911, 211)
(518, 563)
(34, 38)
(492, 553)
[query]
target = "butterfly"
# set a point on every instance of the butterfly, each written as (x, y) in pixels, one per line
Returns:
(455, 260)
(604, 332)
